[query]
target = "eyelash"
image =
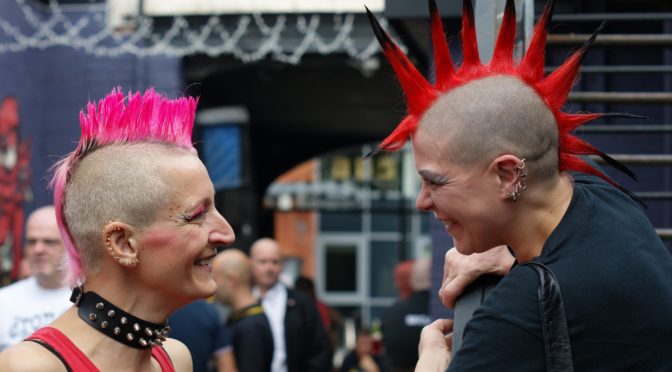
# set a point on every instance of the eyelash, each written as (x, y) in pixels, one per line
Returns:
(431, 183)
(198, 216)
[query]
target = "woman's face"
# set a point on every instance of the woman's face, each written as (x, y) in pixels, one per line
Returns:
(178, 248)
(464, 199)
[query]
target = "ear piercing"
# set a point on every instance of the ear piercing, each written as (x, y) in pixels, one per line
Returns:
(520, 183)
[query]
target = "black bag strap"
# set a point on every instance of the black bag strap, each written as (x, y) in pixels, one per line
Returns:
(553, 321)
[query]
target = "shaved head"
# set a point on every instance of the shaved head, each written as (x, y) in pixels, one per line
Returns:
(232, 262)
(493, 116)
(126, 183)
(421, 273)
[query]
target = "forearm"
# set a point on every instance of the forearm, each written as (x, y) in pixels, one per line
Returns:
(433, 362)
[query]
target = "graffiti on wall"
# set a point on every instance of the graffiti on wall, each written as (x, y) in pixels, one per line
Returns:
(14, 188)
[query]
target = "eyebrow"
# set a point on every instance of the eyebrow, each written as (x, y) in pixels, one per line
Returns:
(433, 176)
(198, 206)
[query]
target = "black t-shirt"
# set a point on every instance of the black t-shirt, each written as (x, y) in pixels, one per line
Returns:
(252, 339)
(402, 324)
(615, 276)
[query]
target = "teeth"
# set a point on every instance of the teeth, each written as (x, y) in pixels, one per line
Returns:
(204, 262)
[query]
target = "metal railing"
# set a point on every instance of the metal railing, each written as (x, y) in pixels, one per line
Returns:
(648, 40)
(612, 97)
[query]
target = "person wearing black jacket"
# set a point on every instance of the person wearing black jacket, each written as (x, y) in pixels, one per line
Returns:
(300, 340)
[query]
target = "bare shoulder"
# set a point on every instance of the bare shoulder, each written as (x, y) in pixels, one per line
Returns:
(29, 356)
(179, 355)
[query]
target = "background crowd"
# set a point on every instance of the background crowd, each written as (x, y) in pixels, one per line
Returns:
(255, 322)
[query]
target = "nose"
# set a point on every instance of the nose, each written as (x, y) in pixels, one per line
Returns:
(423, 202)
(37, 246)
(222, 233)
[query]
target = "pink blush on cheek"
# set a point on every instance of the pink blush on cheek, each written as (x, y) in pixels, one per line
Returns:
(158, 238)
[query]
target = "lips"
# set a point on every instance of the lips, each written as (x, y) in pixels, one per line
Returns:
(205, 261)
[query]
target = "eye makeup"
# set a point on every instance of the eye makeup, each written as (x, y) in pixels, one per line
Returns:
(433, 179)
(198, 213)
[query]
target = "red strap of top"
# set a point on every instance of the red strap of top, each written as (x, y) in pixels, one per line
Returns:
(60, 343)
(162, 357)
(78, 361)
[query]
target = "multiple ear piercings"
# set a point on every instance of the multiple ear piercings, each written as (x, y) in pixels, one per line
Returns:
(126, 261)
(520, 183)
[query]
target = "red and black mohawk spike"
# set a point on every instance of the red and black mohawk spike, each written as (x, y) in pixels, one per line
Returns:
(418, 91)
(531, 67)
(443, 63)
(553, 89)
(471, 62)
(502, 58)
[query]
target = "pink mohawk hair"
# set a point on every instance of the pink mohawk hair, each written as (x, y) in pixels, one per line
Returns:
(552, 89)
(119, 119)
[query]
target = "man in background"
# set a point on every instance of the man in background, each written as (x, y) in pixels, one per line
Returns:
(403, 321)
(249, 328)
(34, 302)
(300, 342)
(201, 328)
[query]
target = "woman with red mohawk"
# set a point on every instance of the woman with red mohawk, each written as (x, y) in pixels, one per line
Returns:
(136, 211)
(593, 286)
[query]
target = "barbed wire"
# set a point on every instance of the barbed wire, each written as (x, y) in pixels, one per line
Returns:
(86, 30)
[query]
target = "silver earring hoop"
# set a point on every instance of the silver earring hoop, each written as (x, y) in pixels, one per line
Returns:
(521, 186)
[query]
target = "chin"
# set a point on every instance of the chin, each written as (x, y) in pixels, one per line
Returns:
(467, 249)
(203, 289)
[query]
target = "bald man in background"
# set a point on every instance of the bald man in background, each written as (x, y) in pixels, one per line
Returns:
(301, 343)
(249, 328)
(34, 302)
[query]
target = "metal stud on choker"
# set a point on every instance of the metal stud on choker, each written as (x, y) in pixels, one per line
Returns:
(116, 323)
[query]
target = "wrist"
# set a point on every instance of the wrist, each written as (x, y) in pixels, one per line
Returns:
(434, 362)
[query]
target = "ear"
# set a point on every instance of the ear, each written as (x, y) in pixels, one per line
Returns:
(120, 242)
(506, 170)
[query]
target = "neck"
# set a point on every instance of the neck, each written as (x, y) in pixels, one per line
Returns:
(114, 322)
(264, 290)
(542, 212)
(133, 298)
(50, 282)
(242, 299)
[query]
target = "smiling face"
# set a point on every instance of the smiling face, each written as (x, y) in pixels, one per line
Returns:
(459, 146)
(178, 247)
(465, 199)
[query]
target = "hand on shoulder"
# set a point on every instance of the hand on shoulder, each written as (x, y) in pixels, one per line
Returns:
(461, 270)
(29, 356)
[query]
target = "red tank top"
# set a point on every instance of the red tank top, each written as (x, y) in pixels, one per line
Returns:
(73, 358)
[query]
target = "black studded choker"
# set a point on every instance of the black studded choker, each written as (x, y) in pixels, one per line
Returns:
(116, 323)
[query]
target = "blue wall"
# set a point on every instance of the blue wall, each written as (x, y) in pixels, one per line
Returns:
(53, 84)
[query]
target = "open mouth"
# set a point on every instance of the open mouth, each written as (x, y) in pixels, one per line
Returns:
(204, 262)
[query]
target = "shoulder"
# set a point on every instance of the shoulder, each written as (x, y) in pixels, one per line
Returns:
(179, 354)
(10, 290)
(299, 297)
(520, 284)
(30, 356)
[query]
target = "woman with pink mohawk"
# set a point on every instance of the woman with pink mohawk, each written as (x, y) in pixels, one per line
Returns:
(501, 166)
(136, 210)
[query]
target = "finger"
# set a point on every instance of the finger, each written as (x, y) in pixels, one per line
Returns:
(453, 289)
(442, 325)
(449, 340)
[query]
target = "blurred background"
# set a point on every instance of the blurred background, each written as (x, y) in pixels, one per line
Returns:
(293, 94)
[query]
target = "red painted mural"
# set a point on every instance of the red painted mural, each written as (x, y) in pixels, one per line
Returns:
(14, 188)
